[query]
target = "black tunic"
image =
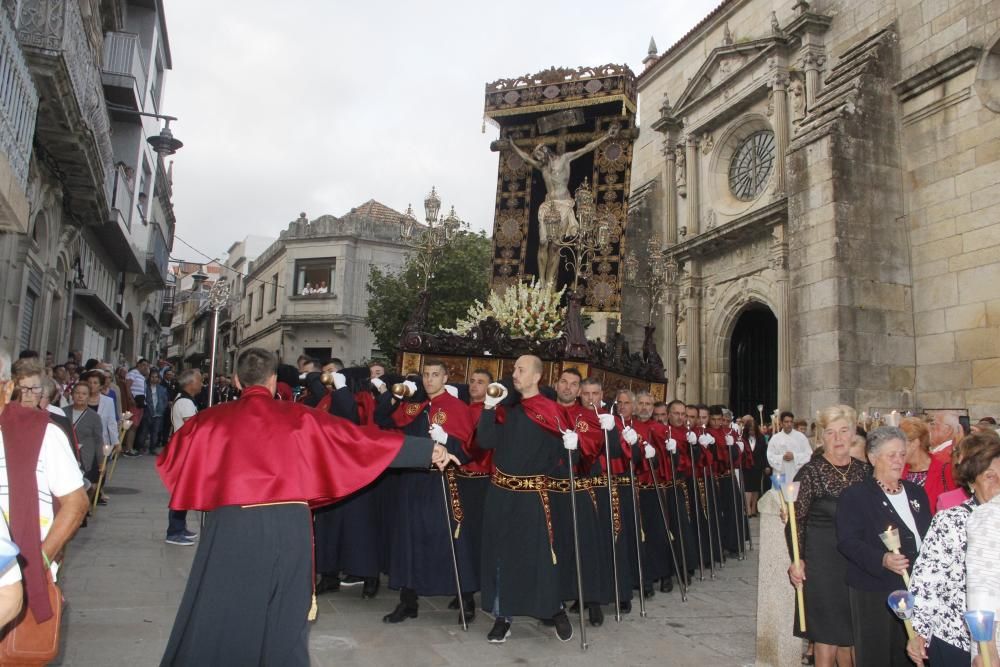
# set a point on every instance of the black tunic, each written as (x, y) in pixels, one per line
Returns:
(517, 562)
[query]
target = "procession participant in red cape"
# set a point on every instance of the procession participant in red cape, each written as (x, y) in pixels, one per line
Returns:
(595, 561)
(676, 476)
(728, 496)
(519, 566)
(618, 515)
(702, 462)
(420, 541)
(346, 533)
(468, 484)
(658, 562)
(258, 465)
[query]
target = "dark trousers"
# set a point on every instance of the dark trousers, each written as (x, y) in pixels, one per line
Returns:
(176, 522)
(942, 654)
(879, 637)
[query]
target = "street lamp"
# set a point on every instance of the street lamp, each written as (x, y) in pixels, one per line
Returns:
(218, 298)
(163, 144)
(438, 233)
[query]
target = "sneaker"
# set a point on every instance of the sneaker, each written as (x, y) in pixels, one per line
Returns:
(179, 540)
(351, 580)
(500, 632)
(564, 629)
(130, 453)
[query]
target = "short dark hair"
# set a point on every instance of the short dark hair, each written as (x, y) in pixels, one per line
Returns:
(338, 364)
(142, 360)
(91, 364)
(659, 404)
(784, 414)
(436, 362)
(93, 374)
(478, 371)
(572, 371)
(702, 406)
(28, 354)
(57, 367)
(716, 410)
(674, 402)
(977, 452)
(255, 366)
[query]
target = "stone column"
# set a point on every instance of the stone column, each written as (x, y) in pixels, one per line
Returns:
(779, 263)
(779, 84)
(669, 193)
(776, 646)
(693, 290)
(670, 341)
(693, 206)
(812, 63)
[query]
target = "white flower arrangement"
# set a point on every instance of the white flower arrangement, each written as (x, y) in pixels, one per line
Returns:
(523, 310)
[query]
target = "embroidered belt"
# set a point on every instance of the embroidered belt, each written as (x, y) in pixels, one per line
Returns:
(601, 482)
(532, 484)
(456, 502)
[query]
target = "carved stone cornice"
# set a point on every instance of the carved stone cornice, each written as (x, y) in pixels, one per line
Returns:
(723, 237)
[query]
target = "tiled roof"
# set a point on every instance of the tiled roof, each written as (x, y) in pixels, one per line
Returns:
(375, 211)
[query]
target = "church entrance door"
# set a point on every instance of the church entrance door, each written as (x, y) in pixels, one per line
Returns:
(753, 358)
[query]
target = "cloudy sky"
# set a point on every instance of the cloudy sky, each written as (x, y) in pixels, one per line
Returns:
(320, 105)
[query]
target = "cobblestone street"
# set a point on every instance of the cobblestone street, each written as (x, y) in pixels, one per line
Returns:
(123, 585)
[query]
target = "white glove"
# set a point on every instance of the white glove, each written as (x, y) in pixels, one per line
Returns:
(451, 390)
(570, 440)
(438, 434)
(339, 381)
(740, 445)
(692, 438)
(730, 441)
(705, 440)
(378, 384)
(493, 401)
(671, 445)
(630, 436)
(409, 384)
(607, 421)
(649, 451)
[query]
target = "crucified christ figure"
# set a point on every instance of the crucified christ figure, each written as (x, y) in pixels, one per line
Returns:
(555, 173)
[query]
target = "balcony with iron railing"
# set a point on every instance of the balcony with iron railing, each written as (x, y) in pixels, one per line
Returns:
(156, 257)
(18, 106)
(116, 232)
(123, 70)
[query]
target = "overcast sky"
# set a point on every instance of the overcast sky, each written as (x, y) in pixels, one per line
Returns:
(320, 105)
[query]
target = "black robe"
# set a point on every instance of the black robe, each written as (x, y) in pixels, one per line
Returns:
(518, 571)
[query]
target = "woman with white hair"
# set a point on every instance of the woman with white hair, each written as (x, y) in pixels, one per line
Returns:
(864, 511)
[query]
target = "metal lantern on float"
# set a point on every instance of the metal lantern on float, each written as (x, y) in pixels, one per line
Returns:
(552, 222)
(585, 214)
(432, 206)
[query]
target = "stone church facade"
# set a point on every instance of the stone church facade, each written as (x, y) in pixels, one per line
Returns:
(825, 177)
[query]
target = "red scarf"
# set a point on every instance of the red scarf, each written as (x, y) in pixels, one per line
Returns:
(406, 412)
(24, 429)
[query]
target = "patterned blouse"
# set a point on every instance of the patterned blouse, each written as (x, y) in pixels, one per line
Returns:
(938, 581)
(819, 478)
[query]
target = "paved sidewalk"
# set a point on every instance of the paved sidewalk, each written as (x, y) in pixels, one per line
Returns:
(123, 585)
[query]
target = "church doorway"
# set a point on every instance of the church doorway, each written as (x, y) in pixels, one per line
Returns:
(753, 358)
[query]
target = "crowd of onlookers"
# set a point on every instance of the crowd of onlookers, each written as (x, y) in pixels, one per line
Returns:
(890, 509)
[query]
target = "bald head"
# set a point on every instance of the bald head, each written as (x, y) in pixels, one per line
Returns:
(527, 374)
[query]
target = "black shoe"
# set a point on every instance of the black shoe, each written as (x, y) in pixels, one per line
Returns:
(470, 615)
(454, 603)
(500, 632)
(548, 622)
(370, 589)
(328, 583)
(625, 606)
(102, 500)
(400, 614)
(596, 615)
(351, 580)
(564, 629)
(666, 585)
(575, 607)
(648, 592)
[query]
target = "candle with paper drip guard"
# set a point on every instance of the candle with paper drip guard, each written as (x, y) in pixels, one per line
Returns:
(790, 492)
(890, 538)
(981, 630)
(8, 552)
(901, 604)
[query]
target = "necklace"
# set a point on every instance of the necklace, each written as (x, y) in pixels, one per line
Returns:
(843, 475)
(889, 491)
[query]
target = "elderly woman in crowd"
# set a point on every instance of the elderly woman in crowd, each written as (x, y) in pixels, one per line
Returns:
(863, 512)
(921, 468)
(938, 582)
(821, 570)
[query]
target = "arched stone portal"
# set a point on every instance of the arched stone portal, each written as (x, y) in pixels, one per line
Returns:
(753, 361)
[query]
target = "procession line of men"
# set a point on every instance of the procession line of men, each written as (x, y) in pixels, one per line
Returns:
(493, 514)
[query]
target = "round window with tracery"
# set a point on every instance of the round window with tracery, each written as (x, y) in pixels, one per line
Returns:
(751, 165)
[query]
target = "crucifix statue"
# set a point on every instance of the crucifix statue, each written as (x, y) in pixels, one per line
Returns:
(558, 202)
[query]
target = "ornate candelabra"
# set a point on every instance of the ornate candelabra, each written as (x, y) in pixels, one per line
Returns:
(427, 241)
(218, 298)
(592, 236)
(658, 281)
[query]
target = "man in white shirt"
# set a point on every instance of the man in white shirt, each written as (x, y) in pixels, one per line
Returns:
(184, 408)
(136, 379)
(788, 449)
